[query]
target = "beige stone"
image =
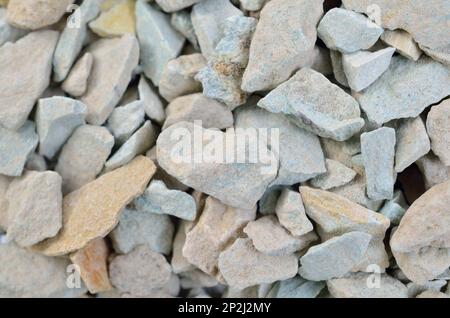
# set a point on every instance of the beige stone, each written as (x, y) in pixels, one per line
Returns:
(403, 42)
(118, 20)
(77, 81)
(433, 170)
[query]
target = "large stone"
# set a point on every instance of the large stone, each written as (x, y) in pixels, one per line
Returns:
(421, 244)
(403, 42)
(16, 147)
(273, 61)
(114, 62)
(125, 120)
(83, 156)
(175, 5)
(433, 170)
(25, 68)
(153, 106)
(117, 21)
(337, 175)
(243, 266)
(159, 42)
(311, 101)
(77, 81)
(405, 89)
(438, 127)
(94, 210)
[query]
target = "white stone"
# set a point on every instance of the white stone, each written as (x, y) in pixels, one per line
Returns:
(337, 175)
(296, 287)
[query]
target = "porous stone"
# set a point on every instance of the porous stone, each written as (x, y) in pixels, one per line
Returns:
(421, 243)
(405, 89)
(378, 151)
(291, 213)
(182, 22)
(16, 147)
(56, 119)
(158, 199)
(433, 170)
(243, 266)
(272, 61)
(83, 156)
(403, 42)
(153, 106)
(114, 62)
(140, 271)
(438, 127)
(312, 102)
(177, 78)
(159, 42)
(117, 21)
(93, 211)
(198, 107)
(125, 120)
(364, 68)
(337, 175)
(335, 257)
(77, 81)
(347, 31)
(138, 227)
(175, 5)
(25, 68)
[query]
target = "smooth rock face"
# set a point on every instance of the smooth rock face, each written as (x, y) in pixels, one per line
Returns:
(378, 151)
(347, 31)
(405, 89)
(335, 257)
(272, 61)
(30, 14)
(140, 271)
(217, 226)
(312, 102)
(94, 210)
(337, 175)
(363, 68)
(242, 265)
(159, 42)
(291, 213)
(412, 143)
(190, 108)
(403, 42)
(56, 119)
(114, 62)
(235, 184)
(175, 5)
(300, 154)
(125, 120)
(117, 21)
(138, 227)
(77, 81)
(421, 243)
(153, 106)
(433, 170)
(15, 147)
(25, 68)
(83, 156)
(34, 207)
(357, 286)
(438, 127)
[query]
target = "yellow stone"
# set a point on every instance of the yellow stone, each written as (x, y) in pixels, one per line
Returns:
(4, 2)
(93, 211)
(117, 19)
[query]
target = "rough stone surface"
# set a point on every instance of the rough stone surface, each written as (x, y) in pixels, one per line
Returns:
(272, 61)
(337, 175)
(438, 127)
(175, 5)
(94, 210)
(403, 42)
(153, 106)
(125, 120)
(77, 81)
(311, 101)
(433, 170)
(117, 21)
(182, 22)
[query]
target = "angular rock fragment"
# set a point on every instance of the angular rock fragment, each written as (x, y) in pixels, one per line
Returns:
(403, 42)
(272, 61)
(77, 81)
(94, 210)
(438, 127)
(182, 22)
(242, 265)
(83, 156)
(335, 257)
(159, 42)
(25, 68)
(338, 68)
(433, 170)
(364, 67)
(137, 227)
(197, 279)
(175, 5)
(114, 62)
(15, 147)
(8, 33)
(337, 175)
(125, 120)
(312, 102)
(179, 263)
(153, 106)
(116, 21)
(140, 271)
(395, 209)
(253, 5)
(378, 151)
(56, 119)
(4, 184)
(415, 289)
(291, 213)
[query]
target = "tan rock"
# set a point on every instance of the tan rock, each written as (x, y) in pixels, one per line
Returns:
(438, 127)
(94, 210)
(118, 20)
(77, 81)
(403, 42)
(433, 170)
(92, 261)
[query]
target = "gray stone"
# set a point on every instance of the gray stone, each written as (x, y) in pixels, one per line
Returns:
(403, 42)
(405, 89)
(8, 33)
(273, 61)
(15, 147)
(4, 184)
(438, 127)
(378, 151)
(159, 42)
(77, 81)
(161, 200)
(395, 209)
(179, 263)
(56, 119)
(36, 162)
(364, 68)
(338, 68)
(125, 120)
(433, 170)
(153, 106)
(268, 201)
(311, 101)
(25, 68)
(335, 257)
(182, 22)
(83, 156)
(432, 294)
(297, 287)
(342, 152)
(175, 5)
(142, 228)
(253, 5)
(415, 289)
(337, 175)
(347, 31)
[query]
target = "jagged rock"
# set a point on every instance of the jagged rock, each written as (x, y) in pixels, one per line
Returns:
(175, 5)
(395, 209)
(153, 106)
(342, 152)
(117, 21)
(403, 42)
(125, 120)
(438, 127)
(77, 81)
(433, 170)
(182, 22)
(337, 175)
(338, 68)
(179, 263)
